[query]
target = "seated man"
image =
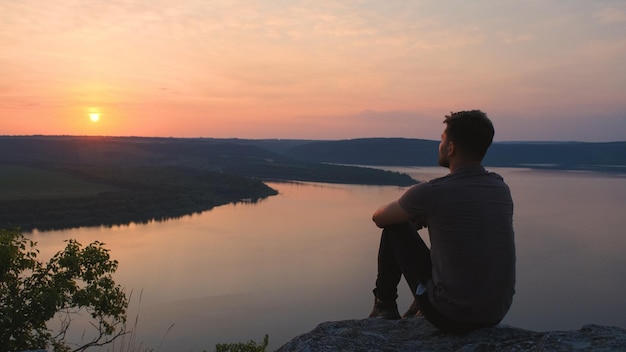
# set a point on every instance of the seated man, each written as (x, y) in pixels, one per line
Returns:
(466, 279)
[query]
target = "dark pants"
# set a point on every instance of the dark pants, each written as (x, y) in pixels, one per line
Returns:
(403, 252)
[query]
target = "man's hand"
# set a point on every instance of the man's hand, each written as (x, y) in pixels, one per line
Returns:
(420, 222)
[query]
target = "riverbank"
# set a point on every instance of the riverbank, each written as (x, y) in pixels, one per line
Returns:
(69, 197)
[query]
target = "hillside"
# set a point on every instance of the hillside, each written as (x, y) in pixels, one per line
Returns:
(608, 156)
(63, 182)
(67, 197)
(237, 157)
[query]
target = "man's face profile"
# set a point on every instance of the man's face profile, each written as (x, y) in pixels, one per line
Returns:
(444, 146)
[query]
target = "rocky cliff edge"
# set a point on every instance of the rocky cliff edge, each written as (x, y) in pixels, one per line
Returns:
(417, 334)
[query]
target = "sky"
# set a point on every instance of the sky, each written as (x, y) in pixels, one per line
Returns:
(300, 69)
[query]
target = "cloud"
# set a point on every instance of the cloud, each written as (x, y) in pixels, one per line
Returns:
(509, 38)
(614, 13)
(407, 63)
(370, 123)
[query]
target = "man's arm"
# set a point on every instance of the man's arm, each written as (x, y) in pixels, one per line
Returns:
(390, 214)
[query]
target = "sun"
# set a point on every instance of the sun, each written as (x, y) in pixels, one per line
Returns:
(94, 117)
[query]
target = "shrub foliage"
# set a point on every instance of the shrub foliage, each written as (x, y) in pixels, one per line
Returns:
(76, 280)
(251, 346)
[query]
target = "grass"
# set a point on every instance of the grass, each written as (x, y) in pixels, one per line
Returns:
(128, 342)
(21, 182)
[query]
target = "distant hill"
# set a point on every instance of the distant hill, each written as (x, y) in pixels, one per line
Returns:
(300, 159)
(266, 159)
(56, 182)
(51, 182)
(73, 196)
(608, 156)
(369, 151)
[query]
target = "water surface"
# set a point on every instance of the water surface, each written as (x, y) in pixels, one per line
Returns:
(308, 255)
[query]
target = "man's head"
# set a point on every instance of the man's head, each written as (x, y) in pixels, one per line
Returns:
(470, 133)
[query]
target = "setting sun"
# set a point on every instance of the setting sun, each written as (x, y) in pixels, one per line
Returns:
(94, 116)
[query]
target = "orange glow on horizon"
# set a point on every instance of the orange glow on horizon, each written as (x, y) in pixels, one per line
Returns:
(331, 70)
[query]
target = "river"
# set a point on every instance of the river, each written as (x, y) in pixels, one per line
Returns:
(308, 255)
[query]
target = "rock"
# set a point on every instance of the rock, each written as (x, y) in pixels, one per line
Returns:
(417, 334)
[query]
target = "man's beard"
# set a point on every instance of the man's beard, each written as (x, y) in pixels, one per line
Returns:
(444, 162)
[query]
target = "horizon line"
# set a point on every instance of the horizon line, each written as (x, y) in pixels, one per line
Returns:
(295, 139)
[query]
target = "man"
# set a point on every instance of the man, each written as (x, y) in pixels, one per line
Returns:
(466, 280)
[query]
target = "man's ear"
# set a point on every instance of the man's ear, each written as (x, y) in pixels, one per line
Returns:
(451, 149)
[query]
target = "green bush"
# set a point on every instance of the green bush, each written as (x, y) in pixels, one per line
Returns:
(74, 281)
(251, 346)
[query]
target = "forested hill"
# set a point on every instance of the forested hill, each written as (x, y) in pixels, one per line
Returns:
(608, 156)
(300, 159)
(268, 159)
(64, 181)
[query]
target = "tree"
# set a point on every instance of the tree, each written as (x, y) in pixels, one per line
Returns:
(74, 281)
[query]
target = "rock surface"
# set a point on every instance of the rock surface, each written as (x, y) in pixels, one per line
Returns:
(417, 334)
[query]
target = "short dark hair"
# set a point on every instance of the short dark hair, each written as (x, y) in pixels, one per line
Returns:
(471, 131)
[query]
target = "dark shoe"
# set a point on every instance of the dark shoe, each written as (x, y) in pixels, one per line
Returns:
(385, 310)
(414, 310)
